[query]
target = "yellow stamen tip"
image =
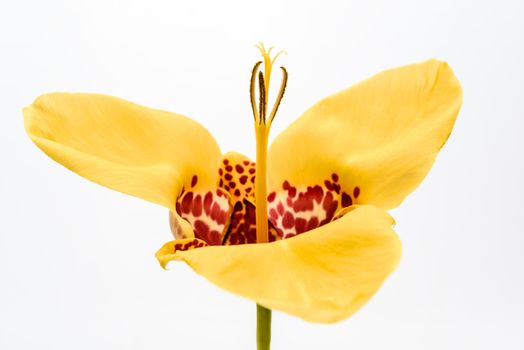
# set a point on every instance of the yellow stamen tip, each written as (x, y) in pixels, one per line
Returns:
(268, 61)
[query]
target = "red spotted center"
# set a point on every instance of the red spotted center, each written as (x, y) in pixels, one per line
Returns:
(226, 215)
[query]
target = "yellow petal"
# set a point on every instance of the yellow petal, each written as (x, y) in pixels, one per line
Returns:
(324, 275)
(136, 150)
(380, 136)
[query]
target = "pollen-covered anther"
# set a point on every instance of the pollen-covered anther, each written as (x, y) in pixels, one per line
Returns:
(260, 113)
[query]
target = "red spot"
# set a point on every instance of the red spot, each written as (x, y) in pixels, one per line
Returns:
(329, 185)
(237, 193)
(334, 177)
(317, 193)
(332, 209)
(336, 187)
(292, 191)
(243, 179)
(287, 220)
(303, 203)
(226, 161)
(239, 168)
(252, 170)
(221, 183)
(312, 224)
(228, 177)
(197, 206)
(220, 171)
(226, 187)
(245, 162)
(253, 179)
(356, 192)
(232, 184)
(328, 199)
(208, 199)
(289, 202)
(229, 168)
(300, 225)
(214, 238)
(201, 230)
(194, 180)
(218, 214)
(248, 189)
(285, 185)
(346, 200)
(280, 208)
(273, 215)
(271, 197)
(186, 203)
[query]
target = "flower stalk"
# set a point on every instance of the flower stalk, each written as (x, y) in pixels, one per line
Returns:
(263, 328)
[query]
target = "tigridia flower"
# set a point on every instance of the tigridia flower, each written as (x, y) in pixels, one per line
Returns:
(321, 208)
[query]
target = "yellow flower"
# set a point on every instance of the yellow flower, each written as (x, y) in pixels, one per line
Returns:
(331, 176)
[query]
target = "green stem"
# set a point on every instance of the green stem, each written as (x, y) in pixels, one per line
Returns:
(263, 328)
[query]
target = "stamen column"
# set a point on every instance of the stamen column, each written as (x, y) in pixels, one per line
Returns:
(262, 126)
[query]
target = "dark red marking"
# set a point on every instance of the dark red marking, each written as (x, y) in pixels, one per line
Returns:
(328, 185)
(202, 231)
(229, 168)
(285, 185)
(317, 193)
(334, 177)
(237, 193)
(214, 236)
(356, 192)
(346, 200)
(273, 215)
(245, 162)
(280, 208)
(243, 179)
(292, 191)
(312, 223)
(194, 180)
(288, 220)
(226, 161)
(228, 177)
(197, 206)
(271, 197)
(252, 170)
(186, 203)
(232, 184)
(239, 168)
(208, 199)
(300, 225)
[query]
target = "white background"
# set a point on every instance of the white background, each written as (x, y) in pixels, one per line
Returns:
(77, 269)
